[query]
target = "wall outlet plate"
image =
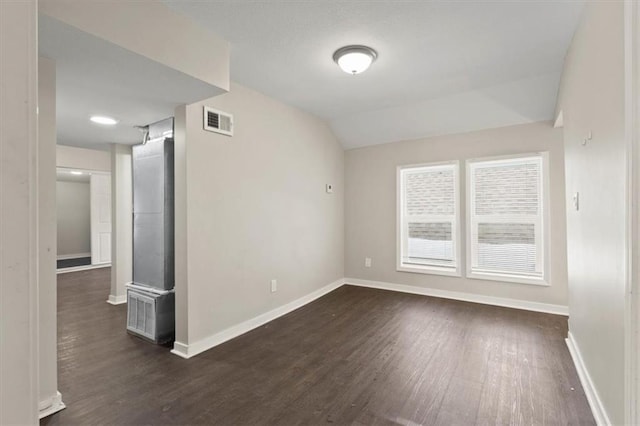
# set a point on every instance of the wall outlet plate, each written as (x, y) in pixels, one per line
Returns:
(367, 262)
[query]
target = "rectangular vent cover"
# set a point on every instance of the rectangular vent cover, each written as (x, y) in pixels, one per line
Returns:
(218, 121)
(141, 318)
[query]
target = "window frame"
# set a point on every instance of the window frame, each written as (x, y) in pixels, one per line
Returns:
(455, 231)
(542, 231)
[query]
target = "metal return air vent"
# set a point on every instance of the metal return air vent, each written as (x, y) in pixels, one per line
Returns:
(218, 121)
(151, 316)
(141, 318)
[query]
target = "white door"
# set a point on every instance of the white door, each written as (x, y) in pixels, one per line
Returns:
(100, 218)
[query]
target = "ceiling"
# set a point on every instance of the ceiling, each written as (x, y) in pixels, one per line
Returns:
(443, 67)
(95, 77)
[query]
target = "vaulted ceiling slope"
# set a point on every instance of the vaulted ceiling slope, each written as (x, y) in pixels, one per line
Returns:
(443, 67)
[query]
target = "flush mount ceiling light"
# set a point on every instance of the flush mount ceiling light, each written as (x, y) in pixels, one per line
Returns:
(107, 121)
(75, 172)
(354, 59)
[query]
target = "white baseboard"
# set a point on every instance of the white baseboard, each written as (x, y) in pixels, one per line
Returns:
(82, 268)
(181, 350)
(466, 297)
(51, 405)
(73, 256)
(597, 408)
(187, 351)
(117, 300)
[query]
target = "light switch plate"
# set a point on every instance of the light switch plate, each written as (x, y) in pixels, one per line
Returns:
(329, 188)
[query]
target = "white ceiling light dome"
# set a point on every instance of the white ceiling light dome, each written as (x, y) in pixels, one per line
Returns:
(355, 59)
(101, 119)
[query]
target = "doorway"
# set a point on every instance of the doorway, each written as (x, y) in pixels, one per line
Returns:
(83, 203)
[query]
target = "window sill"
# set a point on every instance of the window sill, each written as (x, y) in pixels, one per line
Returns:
(490, 276)
(431, 270)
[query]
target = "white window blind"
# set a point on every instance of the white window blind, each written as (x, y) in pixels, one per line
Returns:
(428, 218)
(506, 217)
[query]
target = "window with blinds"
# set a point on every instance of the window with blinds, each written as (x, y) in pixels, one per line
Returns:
(505, 218)
(428, 219)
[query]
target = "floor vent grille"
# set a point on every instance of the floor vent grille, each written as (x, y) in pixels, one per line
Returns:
(141, 315)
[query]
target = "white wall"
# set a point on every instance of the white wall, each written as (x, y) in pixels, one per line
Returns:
(592, 99)
(121, 222)
(80, 158)
(47, 283)
(181, 228)
(73, 217)
(18, 213)
(370, 213)
(252, 208)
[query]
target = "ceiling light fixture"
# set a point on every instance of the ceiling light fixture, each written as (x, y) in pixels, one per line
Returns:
(75, 172)
(354, 59)
(108, 121)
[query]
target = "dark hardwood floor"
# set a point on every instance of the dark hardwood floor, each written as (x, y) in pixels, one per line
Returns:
(356, 356)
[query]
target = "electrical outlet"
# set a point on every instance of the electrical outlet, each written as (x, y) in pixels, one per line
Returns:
(576, 201)
(274, 286)
(367, 262)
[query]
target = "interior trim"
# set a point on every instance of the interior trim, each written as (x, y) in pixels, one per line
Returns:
(51, 405)
(72, 256)
(117, 300)
(466, 297)
(82, 268)
(597, 408)
(187, 351)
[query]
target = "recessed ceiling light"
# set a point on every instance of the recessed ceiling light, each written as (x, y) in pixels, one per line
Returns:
(75, 172)
(354, 59)
(108, 121)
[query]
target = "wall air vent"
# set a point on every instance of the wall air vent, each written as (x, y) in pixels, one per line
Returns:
(218, 121)
(141, 315)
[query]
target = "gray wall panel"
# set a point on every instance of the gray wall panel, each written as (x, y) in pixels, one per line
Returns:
(153, 220)
(149, 179)
(148, 251)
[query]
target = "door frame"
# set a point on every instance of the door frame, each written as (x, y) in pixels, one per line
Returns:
(632, 279)
(94, 211)
(92, 265)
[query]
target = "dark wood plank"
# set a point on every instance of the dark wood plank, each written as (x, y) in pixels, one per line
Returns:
(356, 356)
